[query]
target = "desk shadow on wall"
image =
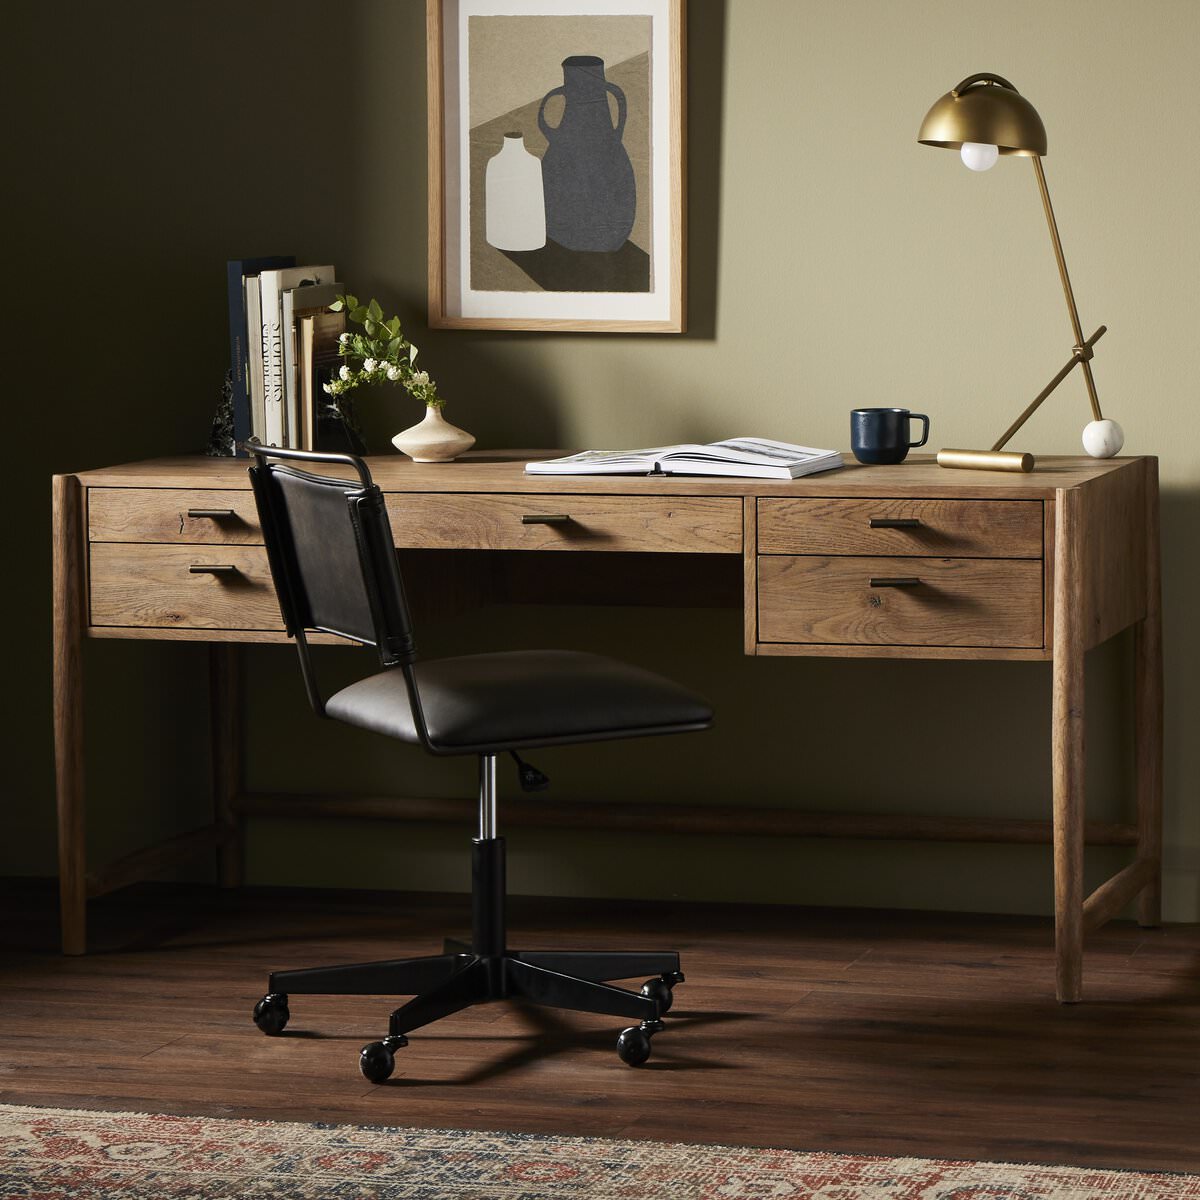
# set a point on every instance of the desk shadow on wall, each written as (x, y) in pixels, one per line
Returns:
(964, 739)
(1181, 666)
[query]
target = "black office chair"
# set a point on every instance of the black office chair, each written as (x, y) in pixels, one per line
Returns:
(334, 564)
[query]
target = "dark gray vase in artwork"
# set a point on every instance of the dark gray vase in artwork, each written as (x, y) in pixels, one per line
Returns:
(590, 192)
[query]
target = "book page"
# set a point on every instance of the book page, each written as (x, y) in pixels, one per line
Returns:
(762, 450)
(635, 458)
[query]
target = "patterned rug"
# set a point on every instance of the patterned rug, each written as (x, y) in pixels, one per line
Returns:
(53, 1154)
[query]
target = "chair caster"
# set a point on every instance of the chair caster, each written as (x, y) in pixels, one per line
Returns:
(271, 1013)
(659, 988)
(377, 1060)
(633, 1046)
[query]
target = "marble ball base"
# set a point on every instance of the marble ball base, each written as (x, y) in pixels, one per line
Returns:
(1103, 439)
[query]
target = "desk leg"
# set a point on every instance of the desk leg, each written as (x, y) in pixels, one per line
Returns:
(1068, 750)
(1148, 714)
(225, 728)
(69, 619)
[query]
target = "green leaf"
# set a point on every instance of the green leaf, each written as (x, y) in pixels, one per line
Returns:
(359, 315)
(337, 305)
(375, 311)
(394, 326)
(371, 327)
(394, 347)
(412, 353)
(351, 301)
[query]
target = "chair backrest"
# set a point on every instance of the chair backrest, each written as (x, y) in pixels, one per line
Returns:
(330, 548)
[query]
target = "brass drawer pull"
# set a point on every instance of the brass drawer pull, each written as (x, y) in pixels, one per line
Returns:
(213, 513)
(213, 569)
(895, 581)
(895, 523)
(545, 518)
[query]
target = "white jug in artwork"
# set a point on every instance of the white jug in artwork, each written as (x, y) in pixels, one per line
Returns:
(514, 202)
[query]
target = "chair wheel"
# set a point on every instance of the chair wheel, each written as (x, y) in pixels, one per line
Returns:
(271, 1013)
(633, 1046)
(377, 1060)
(659, 989)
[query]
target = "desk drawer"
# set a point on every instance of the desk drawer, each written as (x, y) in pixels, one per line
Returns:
(202, 516)
(152, 587)
(954, 601)
(951, 528)
(684, 524)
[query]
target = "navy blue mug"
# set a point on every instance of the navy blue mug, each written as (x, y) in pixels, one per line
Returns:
(881, 435)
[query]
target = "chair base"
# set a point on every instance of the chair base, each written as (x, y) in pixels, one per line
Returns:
(484, 969)
(443, 984)
(446, 983)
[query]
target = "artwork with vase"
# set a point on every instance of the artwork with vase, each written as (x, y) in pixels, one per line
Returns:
(560, 153)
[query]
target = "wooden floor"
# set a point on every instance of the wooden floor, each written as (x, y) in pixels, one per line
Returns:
(854, 1031)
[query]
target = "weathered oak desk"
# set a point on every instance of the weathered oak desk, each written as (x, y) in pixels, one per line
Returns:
(909, 561)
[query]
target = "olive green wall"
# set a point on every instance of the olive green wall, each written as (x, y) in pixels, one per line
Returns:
(834, 263)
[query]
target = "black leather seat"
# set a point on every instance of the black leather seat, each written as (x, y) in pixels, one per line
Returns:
(521, 699)
(333, 562)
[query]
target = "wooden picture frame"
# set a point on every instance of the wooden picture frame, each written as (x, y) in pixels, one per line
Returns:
(542, 216)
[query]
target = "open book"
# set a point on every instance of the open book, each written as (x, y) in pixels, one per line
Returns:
(754, 458)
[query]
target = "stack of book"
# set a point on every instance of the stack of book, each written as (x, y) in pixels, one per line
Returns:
(283, 345)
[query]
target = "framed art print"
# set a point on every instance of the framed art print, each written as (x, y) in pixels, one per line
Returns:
(556, 165)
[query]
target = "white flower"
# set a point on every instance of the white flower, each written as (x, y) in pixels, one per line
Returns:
(420, 379)
(393, 372)
(344, 339)
(369, 364)
(344, 372)
(327, 388)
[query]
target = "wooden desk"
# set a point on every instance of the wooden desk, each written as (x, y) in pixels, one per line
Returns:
(894, 562)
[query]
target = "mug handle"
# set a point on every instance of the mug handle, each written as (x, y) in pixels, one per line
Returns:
(925, 436)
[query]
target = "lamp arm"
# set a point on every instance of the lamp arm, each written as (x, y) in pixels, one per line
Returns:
(1072, 310)
(1083, 352)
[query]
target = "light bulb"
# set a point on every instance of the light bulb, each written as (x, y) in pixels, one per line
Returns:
(979, 156)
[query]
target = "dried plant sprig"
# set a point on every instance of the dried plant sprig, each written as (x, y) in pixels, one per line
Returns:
(379, 354)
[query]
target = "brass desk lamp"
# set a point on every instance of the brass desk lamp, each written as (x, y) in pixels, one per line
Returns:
(983, 118)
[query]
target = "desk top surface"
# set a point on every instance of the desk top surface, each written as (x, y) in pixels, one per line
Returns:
(504, 471)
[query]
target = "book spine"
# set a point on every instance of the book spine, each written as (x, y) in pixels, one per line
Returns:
(272, 351)
(245, 336)
(304, 382)
(291, 401)
(254, 381)
(238, 354)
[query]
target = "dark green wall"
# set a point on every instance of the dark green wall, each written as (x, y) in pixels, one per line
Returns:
(153, 141)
